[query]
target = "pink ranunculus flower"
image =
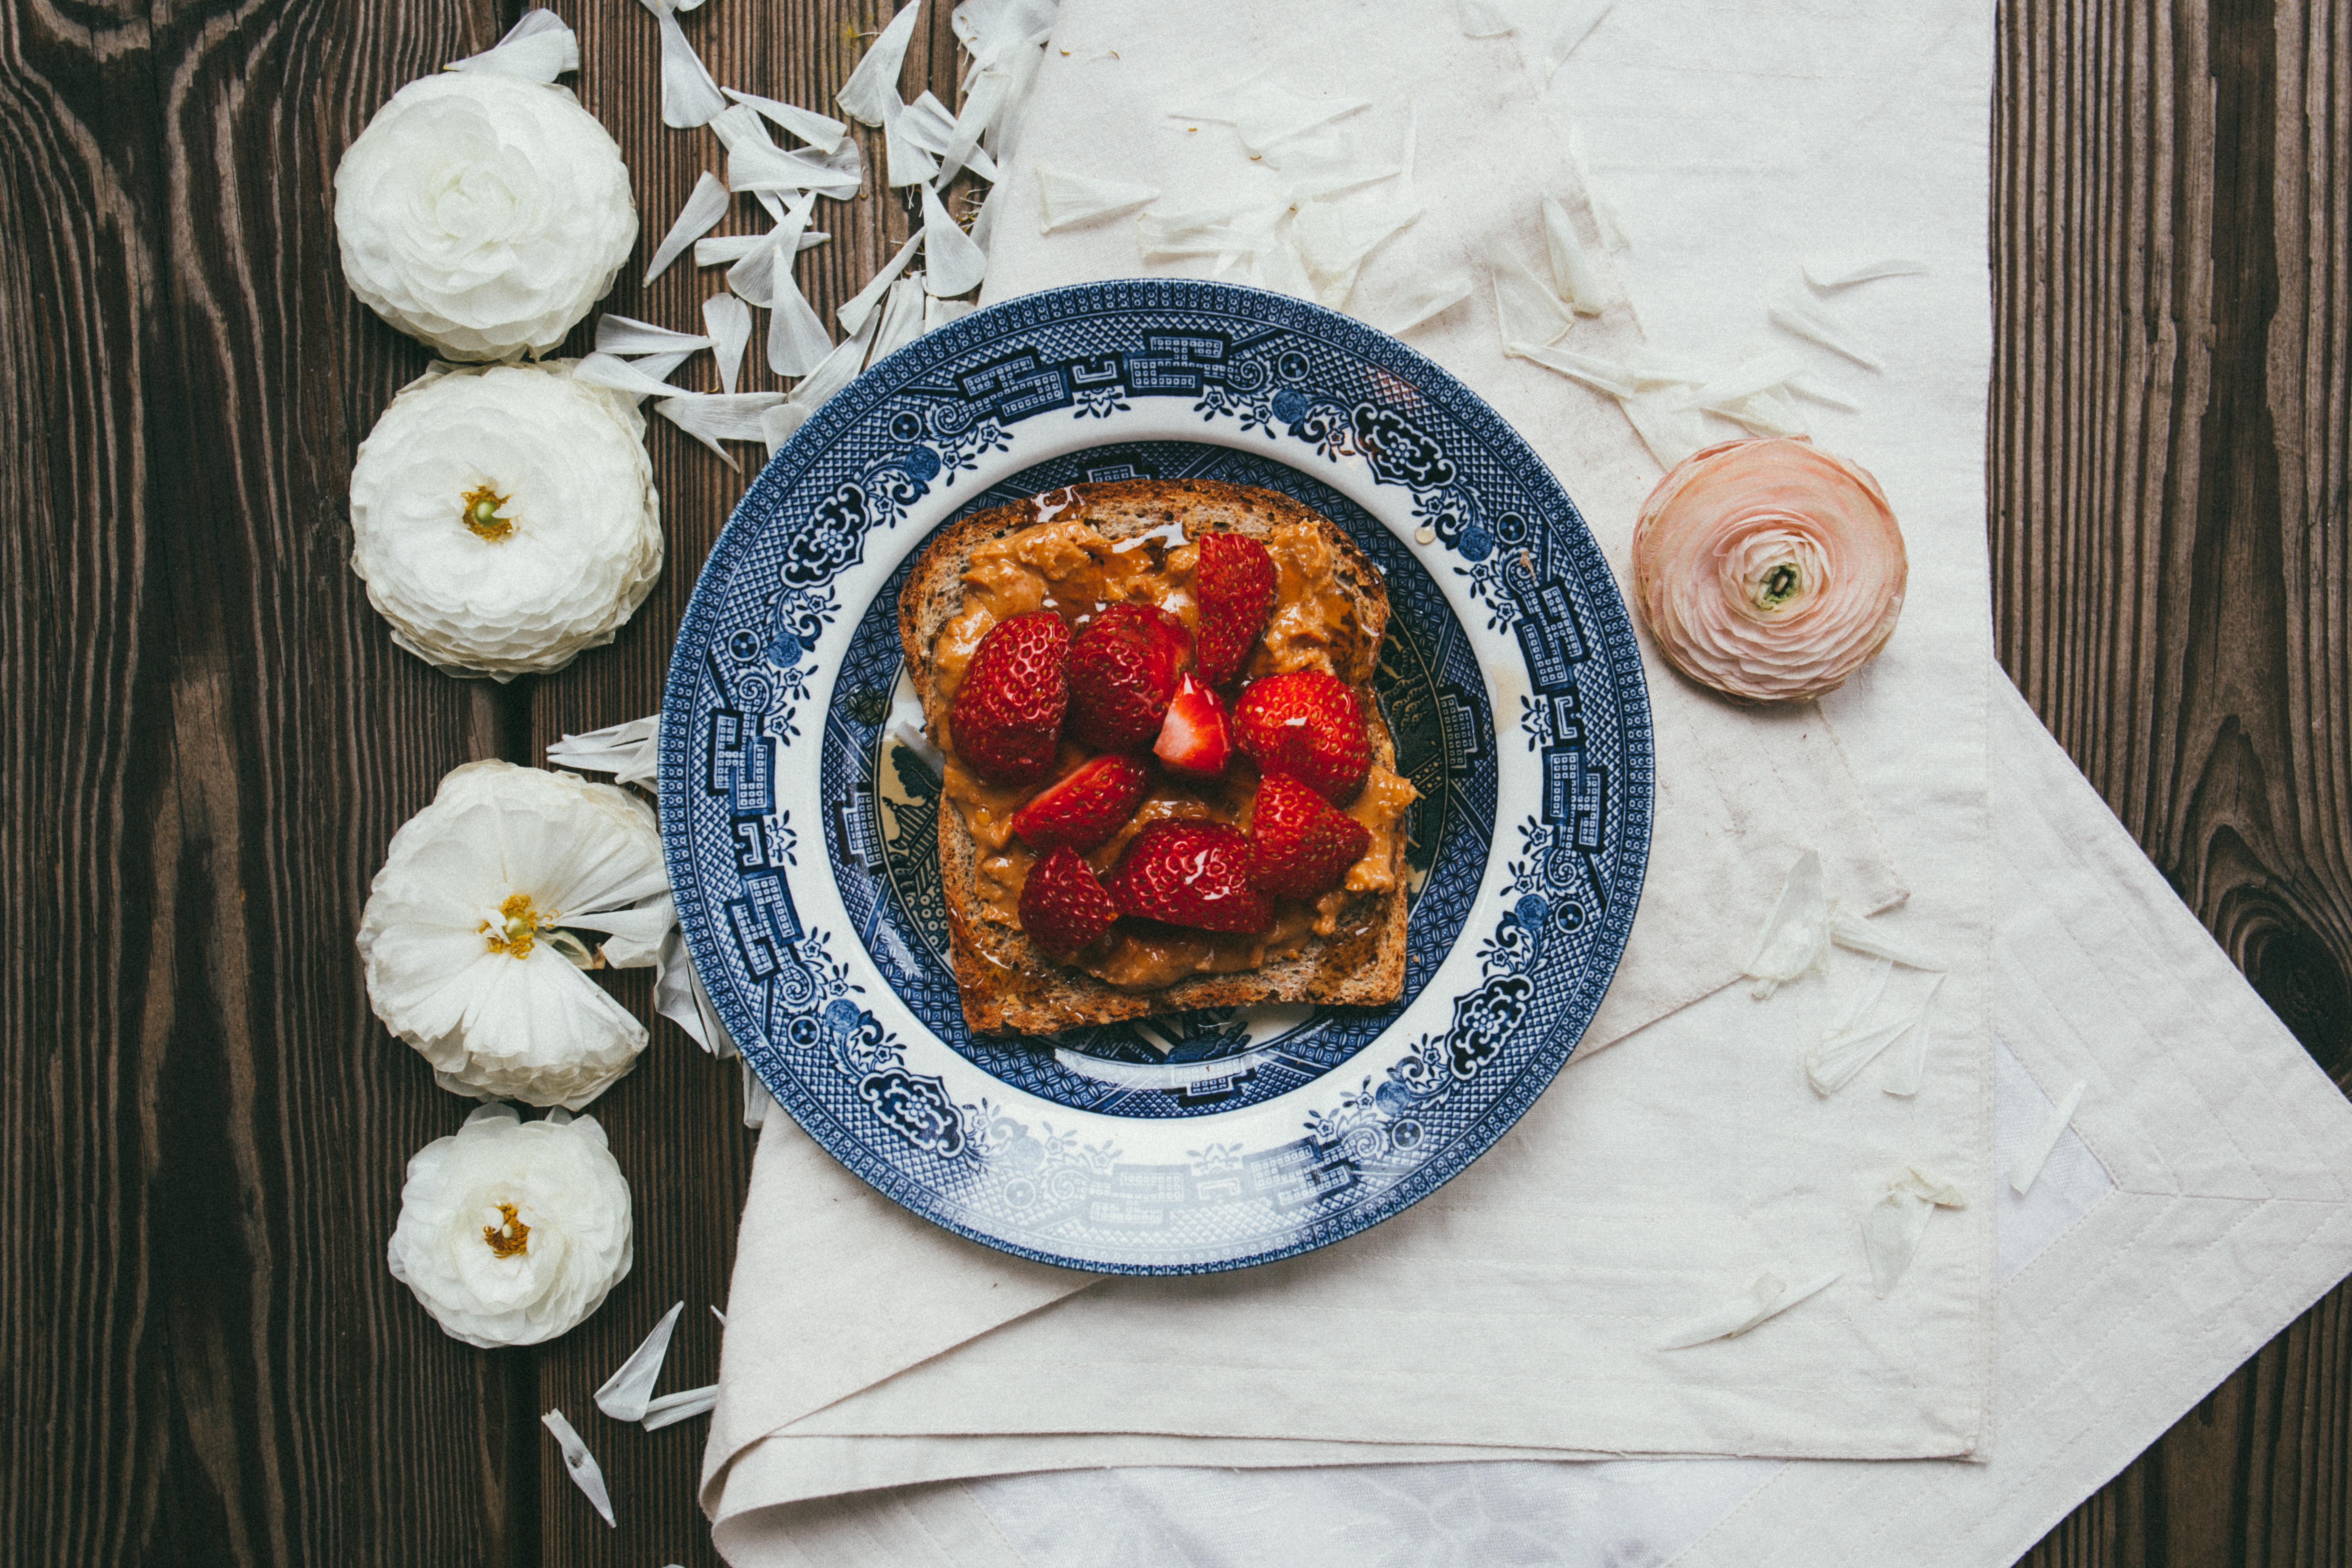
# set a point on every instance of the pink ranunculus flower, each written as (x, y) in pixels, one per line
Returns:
(1768, 570)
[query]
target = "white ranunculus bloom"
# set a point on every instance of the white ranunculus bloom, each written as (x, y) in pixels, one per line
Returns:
(484, 213)
(504, 518)
(468, 938)
(512, 1232)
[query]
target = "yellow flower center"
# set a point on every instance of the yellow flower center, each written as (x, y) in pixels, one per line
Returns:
(511, 1238)
(481, 514)
(517, 927)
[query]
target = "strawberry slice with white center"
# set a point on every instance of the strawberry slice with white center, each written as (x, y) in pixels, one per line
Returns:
(1196, 738)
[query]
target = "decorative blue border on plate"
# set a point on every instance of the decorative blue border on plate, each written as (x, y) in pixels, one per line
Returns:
(1321, 388)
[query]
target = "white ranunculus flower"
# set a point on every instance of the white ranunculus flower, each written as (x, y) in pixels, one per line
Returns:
(504, 518)
(512, 1232)
(484, 213)
(468, 938)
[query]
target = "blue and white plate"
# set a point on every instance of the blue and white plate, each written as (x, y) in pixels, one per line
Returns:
(802, 830)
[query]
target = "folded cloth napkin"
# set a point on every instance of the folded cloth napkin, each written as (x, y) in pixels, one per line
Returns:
(1520, 1310)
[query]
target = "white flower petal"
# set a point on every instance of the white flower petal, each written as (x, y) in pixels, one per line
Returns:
(1861, 934)
(902, 317)
(1767, 1297)
(678, 997)
(852, 315)
(630, 750)
(540, 47)
(861, 97)
(673, 1408)
(583, 542)
(952, 263)
(1570, 26)
(937, 313)
(626, 1392)
(839, 369)
(1823, 274)
(712, 417)
(1605, 375)
(907, 163)
(483, 214)
(626, 335)
(1482, 19)
(2036, 1153)
(1526, 308)
(1670, 431)
(580, 1463)
(1892, 1226)
(616, 374)
(1794, 310)
(1832, 1064)
(689, 96)
(820, 130)
(1796, 935)
(1573, 273)
(705, 205)
(1427, 299)
(729, 321)
(797, 341)
(1065, 200)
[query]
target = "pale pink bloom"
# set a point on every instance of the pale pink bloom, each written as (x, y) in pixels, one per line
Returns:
(1769, 569)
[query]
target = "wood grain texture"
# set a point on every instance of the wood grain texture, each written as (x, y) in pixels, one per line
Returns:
(209, 738)
(2172, 569)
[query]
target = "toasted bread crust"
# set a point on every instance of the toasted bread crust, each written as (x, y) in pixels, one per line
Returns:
(1007, 985)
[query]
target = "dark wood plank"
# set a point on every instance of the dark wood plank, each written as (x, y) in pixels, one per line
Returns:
(2171, 251)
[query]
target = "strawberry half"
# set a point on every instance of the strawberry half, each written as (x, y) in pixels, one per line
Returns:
(1063, 905)
(1085, 805)
(1306, 725)
(1191, 873)
(1006, 720)
(1196, 738)
(1300, 844)
(1234, 587)
(1123, 668)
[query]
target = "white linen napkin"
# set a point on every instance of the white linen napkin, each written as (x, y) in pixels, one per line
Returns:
(1518, 1310)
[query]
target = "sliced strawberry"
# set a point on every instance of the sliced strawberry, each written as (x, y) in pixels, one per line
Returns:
(1189, 873)
(1123, 668)
(1233, 585)
(1300, 844)
(1085, 805)
(1007, 717)
(1196, 739)
(1063, 905)
(1308, 725)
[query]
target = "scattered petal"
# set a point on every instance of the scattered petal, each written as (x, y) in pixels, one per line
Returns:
(1426, 299)
(1761, 372)
(1863, 999)
(908, 163)
(777, 425)
(820, 130)
(1572, 271)
(620, 376)
(1905, 1067)
(797, 341)
(1846, 274)
(768, 169)
(757, 1100)
(1857, 931)
(580, 1463)
(626, 336)
(1671, 431)
(1832, 1064)
(678, 997)
(1525, 306)
(1769, 1296)
(1809, 384)
(711, 417)
(627, 750)
(1573, 25)
(1333, 243)
(952, 263)
(1605, 217)
(1483, 19)
(1892, 1226)
(1602, 374)
(540, 47)
(937, 313)
(1067, 200)
(662, 366)
(929, 125)
(729, 321)
(703, 209)
(626, 1392)
(673, 1408)
(1794, 310)
(719, 1315)
(689, 95)
(2031, 1159)
(902, 317)
(1796, 935)
(1763, 414)
(875, 82)
(852, 315)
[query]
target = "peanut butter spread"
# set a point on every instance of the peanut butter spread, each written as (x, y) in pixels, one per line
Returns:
(1060, 564)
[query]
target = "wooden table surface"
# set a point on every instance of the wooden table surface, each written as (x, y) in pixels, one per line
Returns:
(209, 738)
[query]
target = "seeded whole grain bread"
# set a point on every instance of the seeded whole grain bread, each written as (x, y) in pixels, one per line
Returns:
(1007, 983)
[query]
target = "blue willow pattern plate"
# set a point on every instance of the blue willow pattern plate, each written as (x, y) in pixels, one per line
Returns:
(800, 830)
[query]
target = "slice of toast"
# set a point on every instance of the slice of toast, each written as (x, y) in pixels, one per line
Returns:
(1007, 983)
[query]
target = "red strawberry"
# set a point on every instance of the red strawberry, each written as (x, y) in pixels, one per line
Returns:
(1308, 725)
(1192, 873)
(1196, 739)
(1085, 805)
(1300, 844)
(1122, 671)
(1233, 585)
(1063, 905)
(1007, 717)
